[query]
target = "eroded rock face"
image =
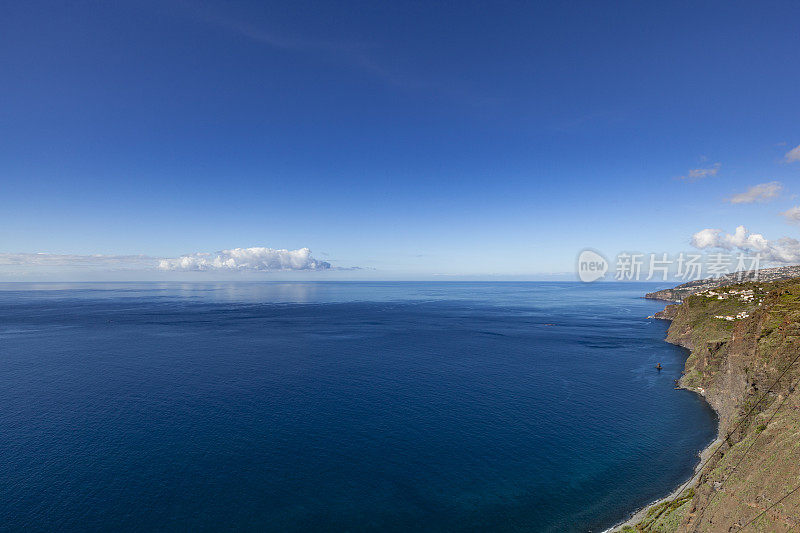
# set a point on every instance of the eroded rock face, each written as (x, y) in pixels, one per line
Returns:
(668, 313)
(735, 363)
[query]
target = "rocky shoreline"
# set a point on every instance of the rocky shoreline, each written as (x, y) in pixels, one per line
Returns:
(641, 514)
(668, 314)
(742, 337)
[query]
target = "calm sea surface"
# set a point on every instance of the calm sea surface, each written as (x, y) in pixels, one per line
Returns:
(338, 407)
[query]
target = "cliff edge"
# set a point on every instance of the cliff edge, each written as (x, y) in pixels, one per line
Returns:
(745, 360)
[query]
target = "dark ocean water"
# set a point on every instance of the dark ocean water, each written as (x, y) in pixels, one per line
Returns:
(338, 407)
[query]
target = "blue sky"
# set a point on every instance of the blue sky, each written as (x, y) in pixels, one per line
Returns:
(409, 139)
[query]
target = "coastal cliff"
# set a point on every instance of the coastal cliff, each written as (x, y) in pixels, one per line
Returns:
(745, 360)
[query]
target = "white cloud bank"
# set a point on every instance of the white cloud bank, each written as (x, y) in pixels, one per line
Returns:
(246, 259)
(792, 155)
(785, 250)
(763, 192)
(700, 173)
(256, 259)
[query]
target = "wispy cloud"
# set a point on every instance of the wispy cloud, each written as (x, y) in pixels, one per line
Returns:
(792, 155)
(763, 192)
(354, 54)
(792, 215)
(357, 55)
(785, 250)
(58, 260)
(246, 259)
(695, 174)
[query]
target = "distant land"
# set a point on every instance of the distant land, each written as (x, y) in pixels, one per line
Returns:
(677, 294)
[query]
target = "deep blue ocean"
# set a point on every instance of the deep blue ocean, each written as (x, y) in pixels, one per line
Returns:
(338, 407)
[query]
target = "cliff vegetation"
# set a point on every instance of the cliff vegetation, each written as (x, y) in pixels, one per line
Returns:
(745, 359)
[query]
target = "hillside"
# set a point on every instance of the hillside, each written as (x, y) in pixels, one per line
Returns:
(677, 294)
(745, 359)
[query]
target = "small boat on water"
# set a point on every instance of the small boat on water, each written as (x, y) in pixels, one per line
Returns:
(658, 367)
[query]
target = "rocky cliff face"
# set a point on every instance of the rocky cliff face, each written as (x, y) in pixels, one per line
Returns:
(745, 359)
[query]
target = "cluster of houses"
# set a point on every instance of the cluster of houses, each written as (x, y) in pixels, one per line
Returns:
(743, 314)
(745, 295)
